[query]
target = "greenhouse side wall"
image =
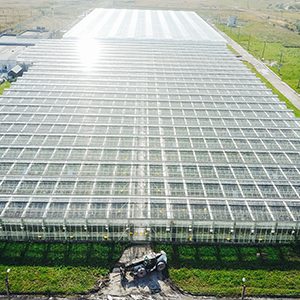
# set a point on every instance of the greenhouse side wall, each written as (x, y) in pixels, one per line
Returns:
(197, 233)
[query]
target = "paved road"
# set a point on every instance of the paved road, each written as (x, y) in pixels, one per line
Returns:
(286, 90)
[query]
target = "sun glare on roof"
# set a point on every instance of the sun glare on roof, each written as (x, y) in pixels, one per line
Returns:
(88, 53)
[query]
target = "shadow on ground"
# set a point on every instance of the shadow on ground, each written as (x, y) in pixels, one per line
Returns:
(102, 255)
(189, 256)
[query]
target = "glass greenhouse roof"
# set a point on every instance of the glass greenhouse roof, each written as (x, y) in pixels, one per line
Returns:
(164, 132)
(143, 24)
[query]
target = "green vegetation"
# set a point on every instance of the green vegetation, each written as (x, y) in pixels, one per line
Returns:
(281, 55)
(228, 282)
(4, 86)
(55, 267)
(50, 280)
(274, 90)
(64, 268)
(218, 270)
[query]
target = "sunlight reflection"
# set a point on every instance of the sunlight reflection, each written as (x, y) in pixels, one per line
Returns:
(88, 51)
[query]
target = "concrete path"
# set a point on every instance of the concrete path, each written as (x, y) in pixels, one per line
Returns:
(286, 90)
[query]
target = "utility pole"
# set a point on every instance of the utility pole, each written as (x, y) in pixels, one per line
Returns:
(243, 288)
(7, 286)
(281, 55)
(263, 52)
(248, 47)
(280, 63)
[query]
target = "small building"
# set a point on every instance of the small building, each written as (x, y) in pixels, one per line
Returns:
(232, 21)
(8, 56)
(16, 71)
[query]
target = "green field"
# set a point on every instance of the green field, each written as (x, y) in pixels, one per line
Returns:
(68, 268)
(281, 55)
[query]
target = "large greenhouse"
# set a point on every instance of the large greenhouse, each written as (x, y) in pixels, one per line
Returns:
(142, 126)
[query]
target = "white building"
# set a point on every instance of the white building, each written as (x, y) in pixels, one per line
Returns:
(8, 56)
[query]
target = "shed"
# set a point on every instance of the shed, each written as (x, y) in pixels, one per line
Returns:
(16, 71)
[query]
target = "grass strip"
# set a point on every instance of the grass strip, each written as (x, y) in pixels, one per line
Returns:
(228, 282)
(3, 86)
(50, 280)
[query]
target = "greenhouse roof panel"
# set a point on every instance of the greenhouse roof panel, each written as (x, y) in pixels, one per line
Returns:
(143, 24)
(145, 133)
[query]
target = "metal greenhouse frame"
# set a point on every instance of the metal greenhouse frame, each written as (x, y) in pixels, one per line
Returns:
(132, 136)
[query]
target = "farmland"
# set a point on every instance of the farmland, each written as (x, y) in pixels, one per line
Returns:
(269, 30)
(18, 15)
